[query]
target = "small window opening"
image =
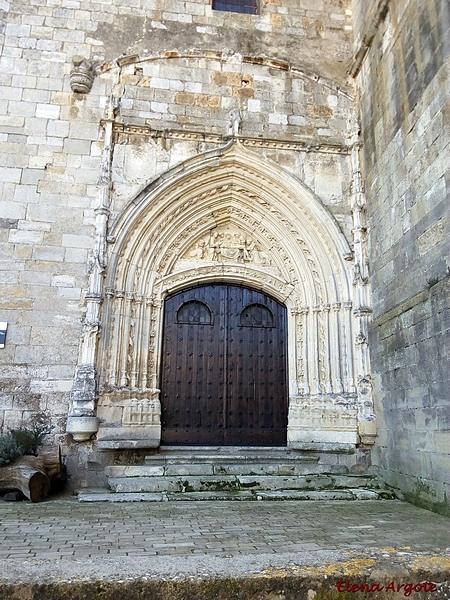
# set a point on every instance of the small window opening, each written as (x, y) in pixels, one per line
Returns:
(194, 312)
(256, 315)
(240, 6)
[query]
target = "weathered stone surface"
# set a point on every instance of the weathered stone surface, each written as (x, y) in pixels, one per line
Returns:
(406, 150)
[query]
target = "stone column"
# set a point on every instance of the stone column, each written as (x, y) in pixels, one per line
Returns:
(82, 421)
(350, 373)
(336, 345)
(327, 358)
(314, 355)
(304, 310)
(362, 310)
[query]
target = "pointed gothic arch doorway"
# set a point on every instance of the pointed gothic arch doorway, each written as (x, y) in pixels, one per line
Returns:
(223, 368)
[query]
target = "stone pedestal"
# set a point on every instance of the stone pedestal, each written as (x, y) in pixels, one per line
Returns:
(82, 428)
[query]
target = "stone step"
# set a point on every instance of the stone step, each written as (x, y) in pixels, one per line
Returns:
(158, 459)
(300, 449)
(220, 467)
(247, 460)
(102, 495)
(233, 468)
(122, 481)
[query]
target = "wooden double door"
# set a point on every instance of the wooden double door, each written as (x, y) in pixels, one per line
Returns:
(223, 371)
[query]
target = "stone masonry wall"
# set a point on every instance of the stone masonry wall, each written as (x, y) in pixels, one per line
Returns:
(195, 95)
(411, 351)
(404, 88)
(168, 64)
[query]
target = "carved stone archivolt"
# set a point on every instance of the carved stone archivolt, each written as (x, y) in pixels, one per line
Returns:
(230, 216)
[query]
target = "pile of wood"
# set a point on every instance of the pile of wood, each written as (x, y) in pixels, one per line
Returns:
(35, 476)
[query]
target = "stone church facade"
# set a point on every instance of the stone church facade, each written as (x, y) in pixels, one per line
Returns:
(214, 215)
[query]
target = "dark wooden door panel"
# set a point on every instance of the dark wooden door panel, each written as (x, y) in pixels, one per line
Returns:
(223, 379)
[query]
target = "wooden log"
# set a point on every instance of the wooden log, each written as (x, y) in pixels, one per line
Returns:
(54, 467)
(48, 463)
(26, 473)
(51, 461)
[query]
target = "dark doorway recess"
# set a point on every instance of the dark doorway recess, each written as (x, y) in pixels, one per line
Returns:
(223, 372)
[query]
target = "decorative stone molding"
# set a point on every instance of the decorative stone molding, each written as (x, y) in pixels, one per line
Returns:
(226, 56)
(141, 413)
(361, 287)
(81, 75)
(133, 129)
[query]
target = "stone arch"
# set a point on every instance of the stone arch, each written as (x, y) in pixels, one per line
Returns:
(227, 215)
(223, 56)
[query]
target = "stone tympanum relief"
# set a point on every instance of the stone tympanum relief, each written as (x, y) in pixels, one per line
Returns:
(227, 244)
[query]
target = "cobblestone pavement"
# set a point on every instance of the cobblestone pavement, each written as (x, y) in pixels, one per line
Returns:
(59, 528)
(34, 534)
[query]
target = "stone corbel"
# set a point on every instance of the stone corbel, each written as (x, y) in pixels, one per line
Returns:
(82, 75)
(82, 422)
